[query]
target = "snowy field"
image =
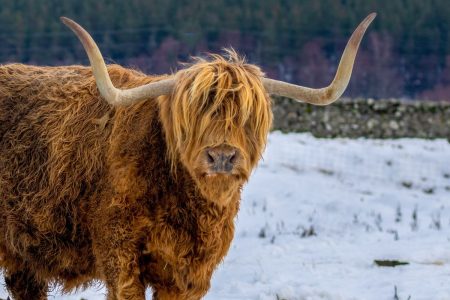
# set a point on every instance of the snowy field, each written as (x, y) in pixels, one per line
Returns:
(317, 213)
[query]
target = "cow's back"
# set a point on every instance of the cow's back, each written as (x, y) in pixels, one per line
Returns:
(53, 140)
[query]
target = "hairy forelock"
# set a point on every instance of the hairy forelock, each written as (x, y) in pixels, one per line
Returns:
(220, 97)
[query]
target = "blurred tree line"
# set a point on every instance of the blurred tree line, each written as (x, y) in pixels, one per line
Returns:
(406, 52)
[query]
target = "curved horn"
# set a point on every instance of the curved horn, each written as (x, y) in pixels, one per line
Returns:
(331, 93)
(111, 94)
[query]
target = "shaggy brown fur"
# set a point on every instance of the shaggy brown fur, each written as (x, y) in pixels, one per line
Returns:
(119, 195)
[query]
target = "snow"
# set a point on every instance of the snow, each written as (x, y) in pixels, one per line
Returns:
(318, 212)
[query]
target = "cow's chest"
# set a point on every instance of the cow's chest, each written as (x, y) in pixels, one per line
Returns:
(184, 257)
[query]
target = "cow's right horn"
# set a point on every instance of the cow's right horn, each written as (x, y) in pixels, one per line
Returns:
(110, 93)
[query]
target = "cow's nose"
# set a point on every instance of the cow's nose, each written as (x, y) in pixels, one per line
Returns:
(221, 159)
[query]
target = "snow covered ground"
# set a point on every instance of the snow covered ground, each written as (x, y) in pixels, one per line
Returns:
(318, 212)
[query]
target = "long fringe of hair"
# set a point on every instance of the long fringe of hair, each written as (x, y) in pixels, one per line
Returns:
(221, 97)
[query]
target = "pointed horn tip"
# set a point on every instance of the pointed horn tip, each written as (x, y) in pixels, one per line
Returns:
(369, 19)
(80, 32)
(70, 23)
(361, 29)
(65, 20)
(372, 16)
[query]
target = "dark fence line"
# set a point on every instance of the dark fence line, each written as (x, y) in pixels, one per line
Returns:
(370, 118)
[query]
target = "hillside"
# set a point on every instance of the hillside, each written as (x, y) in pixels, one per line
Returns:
(406, 52)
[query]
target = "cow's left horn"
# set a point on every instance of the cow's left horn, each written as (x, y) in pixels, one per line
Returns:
(331, 93)
(110, 93)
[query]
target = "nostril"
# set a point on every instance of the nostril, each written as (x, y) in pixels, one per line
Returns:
(209, 157)
(232, 158)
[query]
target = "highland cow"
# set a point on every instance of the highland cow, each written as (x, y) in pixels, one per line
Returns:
(109, 175)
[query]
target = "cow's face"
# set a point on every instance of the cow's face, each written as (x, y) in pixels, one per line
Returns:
(217, 122)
